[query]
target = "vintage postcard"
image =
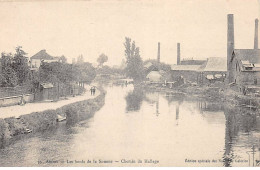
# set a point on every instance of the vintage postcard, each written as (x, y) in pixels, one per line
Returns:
(133, 83)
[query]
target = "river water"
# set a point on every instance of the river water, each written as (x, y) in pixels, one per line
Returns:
(140, 128)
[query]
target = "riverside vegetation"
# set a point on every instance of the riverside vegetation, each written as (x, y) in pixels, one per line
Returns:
(39, 121)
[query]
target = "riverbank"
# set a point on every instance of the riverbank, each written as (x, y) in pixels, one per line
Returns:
(18, 110)
(219, 94)
(81, 108)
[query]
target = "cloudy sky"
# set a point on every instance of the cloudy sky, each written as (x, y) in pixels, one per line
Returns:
(90, 28)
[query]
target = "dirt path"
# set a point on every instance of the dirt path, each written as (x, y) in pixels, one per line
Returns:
(17, 110)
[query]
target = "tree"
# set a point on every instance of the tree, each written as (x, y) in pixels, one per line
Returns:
(159, 66)
(6, 60)
(57, 72)
(63, 59)
(102, 59)
(134, 100)
(80, 59)
(73, 61)
(87, 72)
(8, 77)
(134, 64)
(20, 65)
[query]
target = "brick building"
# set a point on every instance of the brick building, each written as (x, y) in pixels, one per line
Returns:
(243, 64)
(245, 67)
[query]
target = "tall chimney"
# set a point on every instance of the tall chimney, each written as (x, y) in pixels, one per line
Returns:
(230, 45)
(256, 34)
(178, 54)
(158, 54)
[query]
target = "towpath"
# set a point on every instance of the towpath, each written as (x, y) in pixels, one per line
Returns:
(17, 110)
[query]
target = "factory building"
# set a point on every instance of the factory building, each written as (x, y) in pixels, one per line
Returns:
(243, 64)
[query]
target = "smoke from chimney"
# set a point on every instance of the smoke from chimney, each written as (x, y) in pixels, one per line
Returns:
(178, 54)
(158, 54)
(230, 44)
(256, 34)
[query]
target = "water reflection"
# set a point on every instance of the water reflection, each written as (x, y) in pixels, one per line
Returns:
(242, 128)
(134, 99)
(241, 134)
(167, 126)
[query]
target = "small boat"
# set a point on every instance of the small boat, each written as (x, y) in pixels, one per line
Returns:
(61, 118)
(28, 130)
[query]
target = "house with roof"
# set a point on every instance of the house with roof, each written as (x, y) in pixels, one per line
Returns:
(154, 76)
(42, 56)
(152, 72)
(243, 65)
(214, 69)
(188, 72)
(191, 61)
(211, 70)
(149, 67)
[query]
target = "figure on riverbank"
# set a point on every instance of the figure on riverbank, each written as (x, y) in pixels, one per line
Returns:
(94, 90)
(22, 102)
(91, 91)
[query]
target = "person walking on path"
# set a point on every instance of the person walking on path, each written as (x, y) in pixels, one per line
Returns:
(94, 90)
(91, 91)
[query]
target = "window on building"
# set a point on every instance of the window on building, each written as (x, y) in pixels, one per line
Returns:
(248, 68)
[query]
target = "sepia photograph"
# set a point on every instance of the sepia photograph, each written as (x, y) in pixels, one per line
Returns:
(129, 83)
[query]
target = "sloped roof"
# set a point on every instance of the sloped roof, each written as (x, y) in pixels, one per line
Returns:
(215, 64)
(245, 62)
(42, 55)
(147, 65)
(257, 67)
(192, 62)
(47, 85)
(185, 67)
(252, 55)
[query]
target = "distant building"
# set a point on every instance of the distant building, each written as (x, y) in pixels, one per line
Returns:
(188, 72)
(154, 76)
(192, 62)
(148, 67)
(186, 69)
(42, 56)
(214, 69)
(243, 65)
(152, 72)
(46, 92)
(201, 71)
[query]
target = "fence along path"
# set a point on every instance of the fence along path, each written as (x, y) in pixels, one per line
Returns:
(13, 91)
(17, 110)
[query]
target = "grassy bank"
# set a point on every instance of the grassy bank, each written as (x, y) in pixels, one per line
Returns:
(39, 121)
(221, 94)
